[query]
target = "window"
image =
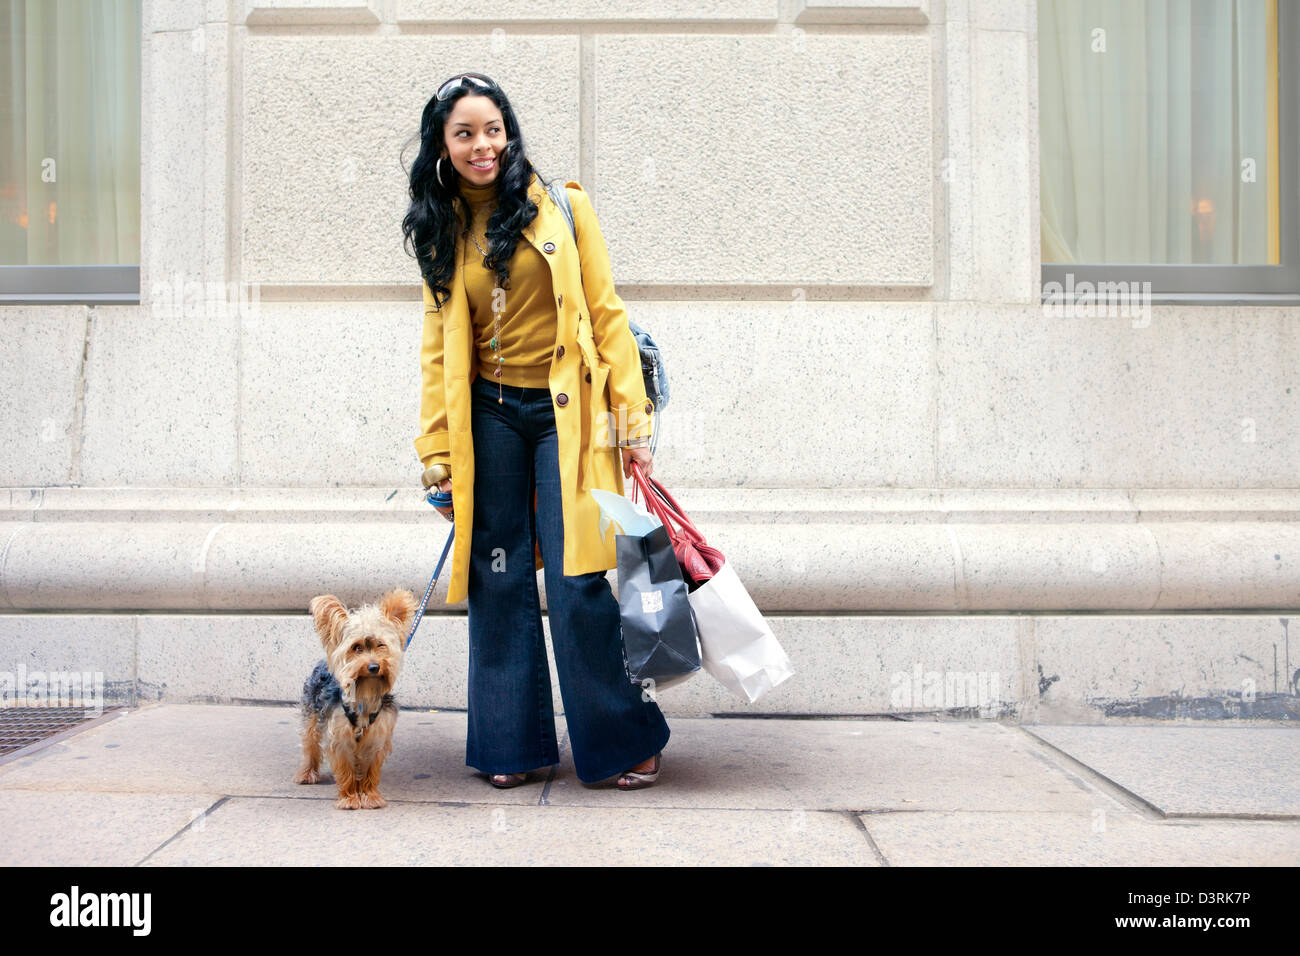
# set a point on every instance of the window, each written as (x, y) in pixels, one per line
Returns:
(1168, 150)
(70, 150)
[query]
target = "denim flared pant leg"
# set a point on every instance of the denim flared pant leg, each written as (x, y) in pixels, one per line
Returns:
(511, 727)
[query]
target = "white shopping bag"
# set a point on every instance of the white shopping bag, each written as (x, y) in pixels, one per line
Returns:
(736, 645)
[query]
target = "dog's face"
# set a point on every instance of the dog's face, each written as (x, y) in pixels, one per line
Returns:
(364, 649)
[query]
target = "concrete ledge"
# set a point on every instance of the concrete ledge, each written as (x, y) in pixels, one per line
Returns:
(1080, 669)
(70, 549)
(862, 11)
(587, 11)
(295, 12)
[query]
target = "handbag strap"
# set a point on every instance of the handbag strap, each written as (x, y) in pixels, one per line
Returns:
(653, 373)
(652, 501)
(680, 528)
(699, 560)
(678, 512)
(560, 196)
(668, 515)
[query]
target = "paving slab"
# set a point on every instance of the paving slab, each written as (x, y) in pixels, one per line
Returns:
(1107, 838)
(177, 784)
(1189, 770)
(68, 828)
(250, 751)
(709, 763)
(776, 763)
(402, 834)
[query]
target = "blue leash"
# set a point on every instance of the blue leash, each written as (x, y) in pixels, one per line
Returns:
(440, 499)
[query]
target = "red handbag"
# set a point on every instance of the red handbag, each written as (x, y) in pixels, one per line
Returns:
(699, 560)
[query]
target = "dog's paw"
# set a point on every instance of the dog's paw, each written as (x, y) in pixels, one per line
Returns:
(306, 775)
(373, 801)
(351, 801)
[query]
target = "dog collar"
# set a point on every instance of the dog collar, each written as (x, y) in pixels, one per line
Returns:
(353, 714)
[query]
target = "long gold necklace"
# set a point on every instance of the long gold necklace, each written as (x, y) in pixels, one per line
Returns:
(495, 344)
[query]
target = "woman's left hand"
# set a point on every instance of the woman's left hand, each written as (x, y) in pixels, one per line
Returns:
(641, 456)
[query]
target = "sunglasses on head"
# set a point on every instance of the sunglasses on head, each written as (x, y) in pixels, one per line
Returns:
(469, 80)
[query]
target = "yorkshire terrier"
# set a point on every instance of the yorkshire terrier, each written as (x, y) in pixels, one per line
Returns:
(347, 702)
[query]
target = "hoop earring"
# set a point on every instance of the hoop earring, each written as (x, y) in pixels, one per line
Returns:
(437, 168)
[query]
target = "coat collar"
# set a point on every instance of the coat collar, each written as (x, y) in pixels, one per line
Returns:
(549, 222)
(546, 227)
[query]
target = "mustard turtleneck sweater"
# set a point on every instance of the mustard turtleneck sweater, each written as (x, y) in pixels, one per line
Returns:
(527, 320)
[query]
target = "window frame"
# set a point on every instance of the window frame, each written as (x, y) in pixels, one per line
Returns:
(77, 284)
(1211, 283)
(88, 285)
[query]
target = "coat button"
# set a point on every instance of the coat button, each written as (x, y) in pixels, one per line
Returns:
(548, 247)
(561, 300)
(648, 408)
(561, 399)
(589, 376)
(559, 353)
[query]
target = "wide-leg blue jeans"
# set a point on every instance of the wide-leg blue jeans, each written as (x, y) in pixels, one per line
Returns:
(511, 720)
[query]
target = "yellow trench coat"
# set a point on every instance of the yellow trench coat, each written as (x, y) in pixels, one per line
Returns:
(597, 390)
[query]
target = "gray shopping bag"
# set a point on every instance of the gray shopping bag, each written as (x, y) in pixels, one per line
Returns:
(659, 639)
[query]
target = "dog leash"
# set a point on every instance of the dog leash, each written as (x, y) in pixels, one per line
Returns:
(439, 499)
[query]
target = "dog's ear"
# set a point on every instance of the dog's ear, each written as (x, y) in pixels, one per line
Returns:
(399, 607)
(330, 616)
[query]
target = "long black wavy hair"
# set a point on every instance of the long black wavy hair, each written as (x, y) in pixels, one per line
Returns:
(438, 210)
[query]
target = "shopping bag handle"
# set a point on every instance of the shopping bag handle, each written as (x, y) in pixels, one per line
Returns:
(665, 506)
(698, 559)
(678, 513)
(659, 508)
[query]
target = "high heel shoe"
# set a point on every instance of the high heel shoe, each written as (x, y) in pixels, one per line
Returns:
(636, 779)
(504, 781)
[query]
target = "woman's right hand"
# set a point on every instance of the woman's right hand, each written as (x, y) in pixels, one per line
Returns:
(445, 485)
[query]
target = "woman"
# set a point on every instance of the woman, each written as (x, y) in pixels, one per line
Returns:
(531, 394)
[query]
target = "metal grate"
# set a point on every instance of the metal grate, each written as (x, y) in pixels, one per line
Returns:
(23, 726)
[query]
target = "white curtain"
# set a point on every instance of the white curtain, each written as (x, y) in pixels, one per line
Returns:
(70, 128)
(1142, 145)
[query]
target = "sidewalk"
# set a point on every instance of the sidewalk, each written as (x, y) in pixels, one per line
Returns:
(179, 784)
